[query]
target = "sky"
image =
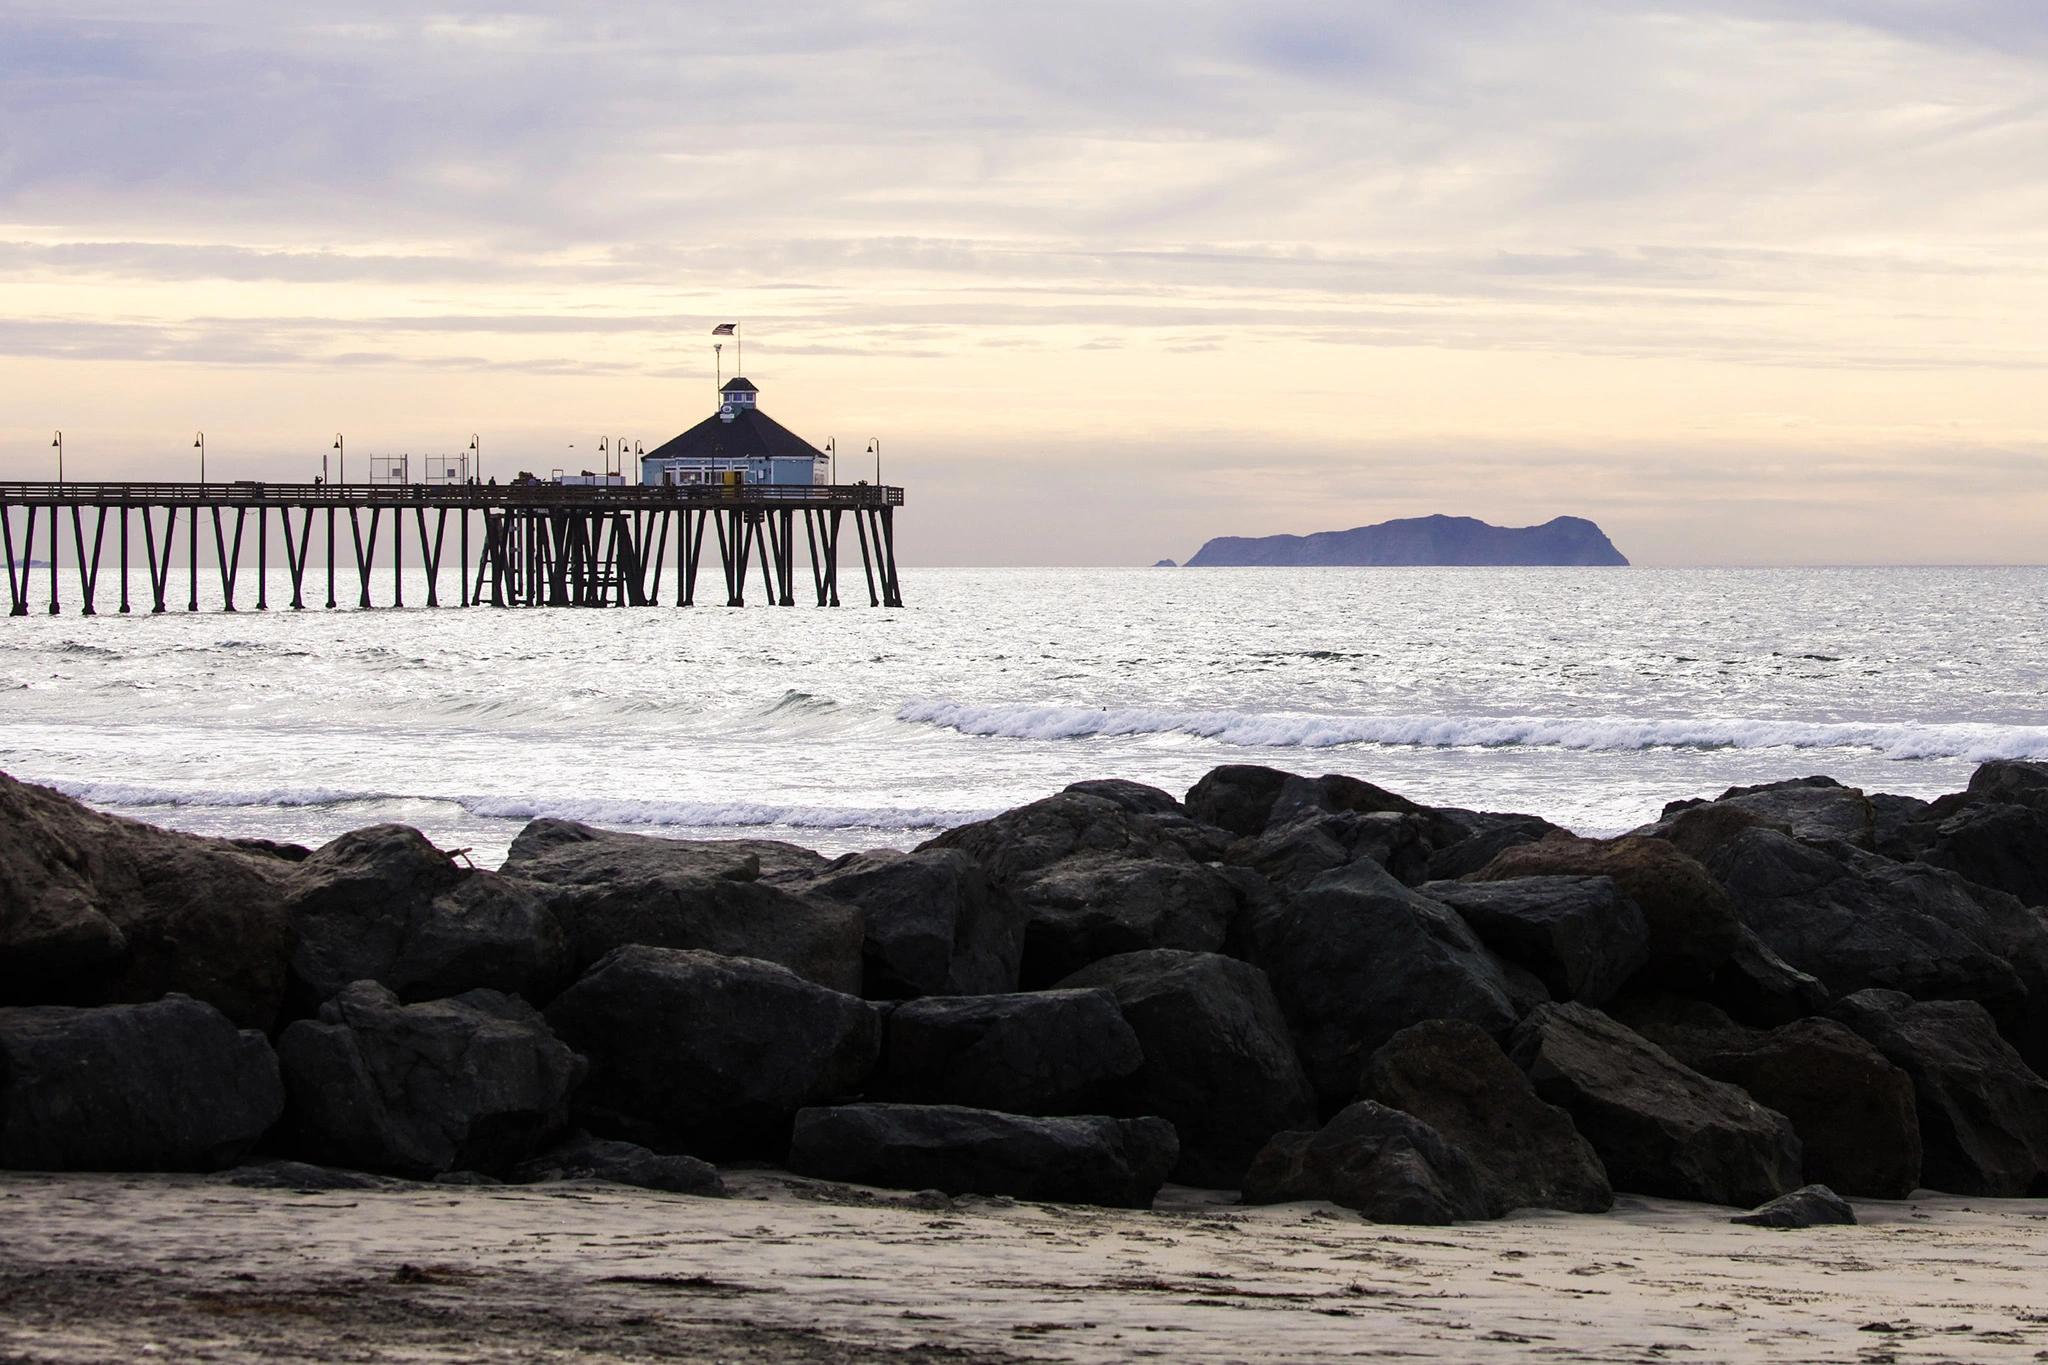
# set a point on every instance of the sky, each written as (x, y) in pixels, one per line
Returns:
(1746, 282)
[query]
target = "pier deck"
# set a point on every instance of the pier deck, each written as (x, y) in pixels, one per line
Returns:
(537, 544)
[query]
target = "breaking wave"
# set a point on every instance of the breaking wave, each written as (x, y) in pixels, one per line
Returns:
(1976, 742)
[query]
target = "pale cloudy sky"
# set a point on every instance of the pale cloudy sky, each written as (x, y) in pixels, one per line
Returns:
(1746, 281)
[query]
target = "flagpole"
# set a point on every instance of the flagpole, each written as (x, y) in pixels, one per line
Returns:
(739, 354)
(718, 366)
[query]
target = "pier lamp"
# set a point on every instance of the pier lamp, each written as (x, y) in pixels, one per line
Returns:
(342, 463)
(875, 449)
(58, 442)
(476, 465)
(832, 449)
(199, 444)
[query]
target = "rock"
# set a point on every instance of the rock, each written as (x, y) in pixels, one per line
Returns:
(303, 1177)
(1237, 797)
(475, 1082)
(1048, 1052)
(1030, 839)
(1120, 1163)
(1135, 797)
(1356, 957)
(1903, 828)
(587, 1158)
(167, 1086)
(1660, 1127)
(1809, 1206)
(1293, 854)
(1856, 920)
(99, 910)
(1698, 828)
(1816, 808)
(933, 924)
(709, 1055)
(2013, 780)
(1218, 1062)
(1580, 936)
(1853, 1110)
(1760, 988)
(1493, 834)
(1996, 844)
(1083, 909)
(1390, 1166)
(1453, 1077)
(383, 904)
(1983, 1114)
(609, 890)
(1693, 924)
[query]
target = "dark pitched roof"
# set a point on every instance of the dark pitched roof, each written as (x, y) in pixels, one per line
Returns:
(738, 385)
(750, 434)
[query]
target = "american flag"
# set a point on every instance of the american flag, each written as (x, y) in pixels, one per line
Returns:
(724, 329)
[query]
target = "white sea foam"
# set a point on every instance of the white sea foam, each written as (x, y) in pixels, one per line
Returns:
(1976, 742)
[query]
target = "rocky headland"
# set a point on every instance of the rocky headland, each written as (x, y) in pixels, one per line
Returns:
(1419, 542)
(1285, 987)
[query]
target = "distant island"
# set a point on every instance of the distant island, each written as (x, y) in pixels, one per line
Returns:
(1421, 541)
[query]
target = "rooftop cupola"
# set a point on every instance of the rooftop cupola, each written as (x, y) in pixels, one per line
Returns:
(736, 394)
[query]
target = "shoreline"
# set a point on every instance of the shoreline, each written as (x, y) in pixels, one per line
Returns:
(102, 1268)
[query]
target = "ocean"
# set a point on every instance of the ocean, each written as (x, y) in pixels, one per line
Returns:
(1588, 696)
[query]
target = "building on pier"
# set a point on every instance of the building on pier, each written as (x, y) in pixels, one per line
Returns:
(739, 439)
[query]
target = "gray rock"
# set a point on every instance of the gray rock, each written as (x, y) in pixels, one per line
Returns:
(1698, 828)
(1237, 797)
(1135, 797)
(1047, 1052)
(1356, 957)
(476, 1082)
(1809, 1206)
(1295, 853)
(1817, 808)
(1660, 1127)
(610, 890)
(933, 924)
(383, 904)
(587, 1158)
(2014, 780)
(1854, 1111)
(1693, 924)
(1390, 1166)
(1032, 838)
(1983, 1114)
(1454, 1078)
(1085, 908)
(1857, 920)
(1903, 826)
(1218, 1062)
(1996, 844)
(167, 1086)
(1579, 935)
(1120, 1163)
(99, 910)
(1760, 988)
(709, 1055)
(303, 1177)
(1492, 835)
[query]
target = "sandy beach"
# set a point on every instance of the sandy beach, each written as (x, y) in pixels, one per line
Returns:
(107, 1268)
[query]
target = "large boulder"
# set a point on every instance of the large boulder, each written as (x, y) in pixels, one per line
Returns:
(1047, 1052)
(1758, 987)
(1579, 935)
(1031, 838)
(2017, 781)
(1852, 1109)
(933, 924)
(1660, 1127)
(1218, 1062)
(1456, 1079)
(609, 890)
(584, 1157)
(1293, 853)
(1904, 826)
(98, 910)
(1237, 797)
(1492, 834)
(1996, 844)
(1858, 920)
(1983, 1114)
(166, 1086)
(1356, 957)
(475, 1083)
(1816, 808)
(1083, 909)
(1693, 924)
(1697, 828)
(709, 1055)
(1390, 1166)
(383, 904)
(1120, 1163)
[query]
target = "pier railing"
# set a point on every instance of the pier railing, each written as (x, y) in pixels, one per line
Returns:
(541, 544)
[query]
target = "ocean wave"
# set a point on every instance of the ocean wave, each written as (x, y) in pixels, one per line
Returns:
(1900, 740)
(591, 810)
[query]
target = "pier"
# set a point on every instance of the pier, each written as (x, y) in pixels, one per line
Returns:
(534, 544)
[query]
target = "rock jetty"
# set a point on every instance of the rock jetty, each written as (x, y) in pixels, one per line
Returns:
(1293, 987)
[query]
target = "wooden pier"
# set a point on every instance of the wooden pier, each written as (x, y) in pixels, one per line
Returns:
(536, 544)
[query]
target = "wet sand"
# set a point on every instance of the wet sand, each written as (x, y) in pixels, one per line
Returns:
(126, 1268)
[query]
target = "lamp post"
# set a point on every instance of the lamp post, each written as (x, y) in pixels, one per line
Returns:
(342, 463)
(199, 444)
(875, 449)
(477, 464)
(58, 441)
(832, 450)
